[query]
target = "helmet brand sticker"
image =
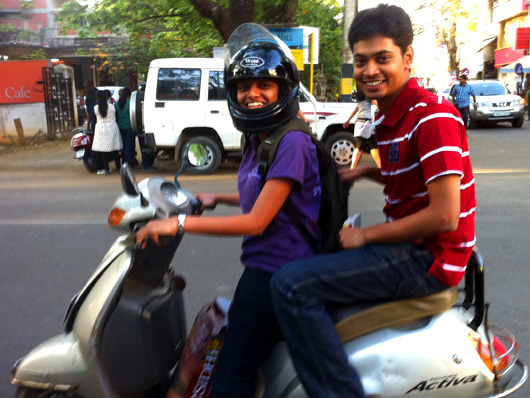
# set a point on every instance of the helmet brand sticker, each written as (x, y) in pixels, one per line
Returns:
(252, 62)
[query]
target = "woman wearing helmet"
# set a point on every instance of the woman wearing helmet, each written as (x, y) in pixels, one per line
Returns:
(262, 85)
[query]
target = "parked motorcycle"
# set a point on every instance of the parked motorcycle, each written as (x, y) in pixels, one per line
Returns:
(81, 144)
(125, 330)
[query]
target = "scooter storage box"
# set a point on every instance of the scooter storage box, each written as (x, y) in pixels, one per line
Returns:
(145, 333)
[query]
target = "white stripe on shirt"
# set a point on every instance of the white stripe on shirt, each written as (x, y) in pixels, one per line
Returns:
(454, 268)
(441, 149)
(430, 117)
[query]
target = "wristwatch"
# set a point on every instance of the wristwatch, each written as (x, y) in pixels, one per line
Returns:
(181, 219)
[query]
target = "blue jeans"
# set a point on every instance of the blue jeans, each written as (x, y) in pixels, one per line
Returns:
(302, 290)
(128, 137)
(252, 332)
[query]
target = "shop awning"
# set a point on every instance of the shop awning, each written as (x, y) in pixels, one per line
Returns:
(510, 68)
(486, 42)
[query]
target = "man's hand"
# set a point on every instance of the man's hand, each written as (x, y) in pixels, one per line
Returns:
(351, 238)
(350, 175)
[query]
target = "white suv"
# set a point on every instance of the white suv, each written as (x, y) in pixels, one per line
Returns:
(495, 104)
(185, 101)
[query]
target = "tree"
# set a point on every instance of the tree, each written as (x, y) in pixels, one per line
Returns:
(176, 28)
(453, 20)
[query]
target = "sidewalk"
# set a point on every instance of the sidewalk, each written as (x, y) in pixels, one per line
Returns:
(49, 155)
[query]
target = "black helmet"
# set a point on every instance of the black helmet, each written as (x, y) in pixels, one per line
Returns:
(261, 57)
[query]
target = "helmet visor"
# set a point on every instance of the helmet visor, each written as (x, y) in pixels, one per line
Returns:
(247, 33)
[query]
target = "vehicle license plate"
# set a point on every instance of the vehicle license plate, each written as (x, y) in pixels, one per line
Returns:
(501, 113)
(79, 154)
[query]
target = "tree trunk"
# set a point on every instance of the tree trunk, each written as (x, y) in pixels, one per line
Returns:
(226, 21)
(289, 9)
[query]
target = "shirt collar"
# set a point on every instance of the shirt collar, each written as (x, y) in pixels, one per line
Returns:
(404, 101)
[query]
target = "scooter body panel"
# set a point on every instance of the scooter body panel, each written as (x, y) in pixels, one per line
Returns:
(431, 356)
(434, 355)
(56, 364)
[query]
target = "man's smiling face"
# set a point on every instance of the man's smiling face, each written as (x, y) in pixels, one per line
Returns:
(380, 69)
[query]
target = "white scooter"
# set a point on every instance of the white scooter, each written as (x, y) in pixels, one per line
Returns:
(125, 330)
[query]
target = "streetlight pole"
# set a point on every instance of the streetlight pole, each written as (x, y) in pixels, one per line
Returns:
(351, 8)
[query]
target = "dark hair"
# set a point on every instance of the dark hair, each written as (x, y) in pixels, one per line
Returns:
(388, 21)
(360, 95)
(103, 105)
(463, 77)
(124, 94)
(91, 96)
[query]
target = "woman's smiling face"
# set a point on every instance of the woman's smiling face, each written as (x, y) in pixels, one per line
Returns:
(380, 69)
(256, 93)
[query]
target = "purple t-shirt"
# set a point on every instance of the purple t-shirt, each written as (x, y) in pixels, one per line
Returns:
(281, 242)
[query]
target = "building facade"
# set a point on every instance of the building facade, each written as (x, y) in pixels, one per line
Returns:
(505, 24)
(30, 26)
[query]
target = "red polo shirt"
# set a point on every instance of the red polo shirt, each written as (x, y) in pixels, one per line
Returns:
(420, 138)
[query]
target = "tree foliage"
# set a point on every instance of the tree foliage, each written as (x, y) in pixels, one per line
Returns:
(191, 28)
(453, 20)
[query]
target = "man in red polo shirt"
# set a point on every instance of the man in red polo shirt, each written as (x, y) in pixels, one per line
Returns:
(429, 188)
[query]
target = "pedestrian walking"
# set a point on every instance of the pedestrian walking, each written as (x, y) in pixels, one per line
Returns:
(461, 94)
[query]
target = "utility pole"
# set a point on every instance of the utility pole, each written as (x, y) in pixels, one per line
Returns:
(351, 8)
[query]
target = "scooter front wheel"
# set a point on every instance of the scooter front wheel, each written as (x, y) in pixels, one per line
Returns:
(24, 392)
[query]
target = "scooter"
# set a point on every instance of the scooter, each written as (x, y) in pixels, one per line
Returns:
(125, 330)
(81, 144)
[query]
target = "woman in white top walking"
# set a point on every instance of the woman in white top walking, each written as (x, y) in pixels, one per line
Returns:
(364, 130)
(107, 138)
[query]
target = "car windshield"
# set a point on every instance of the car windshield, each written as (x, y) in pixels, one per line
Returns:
(487, 89)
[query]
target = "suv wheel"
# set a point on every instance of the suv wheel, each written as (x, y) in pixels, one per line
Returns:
(135, 111)
(213, 157)
(341, 146)
(518, 122)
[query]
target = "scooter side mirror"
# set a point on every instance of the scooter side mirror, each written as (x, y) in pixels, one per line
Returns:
(128, 183)
(195, 154)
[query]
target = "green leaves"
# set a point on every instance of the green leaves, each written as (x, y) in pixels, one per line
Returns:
(179, 28)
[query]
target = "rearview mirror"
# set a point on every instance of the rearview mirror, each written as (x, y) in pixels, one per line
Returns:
(128, 183)
(197, 154)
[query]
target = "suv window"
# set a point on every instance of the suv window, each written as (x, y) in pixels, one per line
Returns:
(216, 86)
(486, 89)
(178, 84)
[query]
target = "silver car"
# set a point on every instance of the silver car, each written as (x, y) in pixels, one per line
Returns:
(495, 104)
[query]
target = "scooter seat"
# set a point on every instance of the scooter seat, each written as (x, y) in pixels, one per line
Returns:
(354, 321)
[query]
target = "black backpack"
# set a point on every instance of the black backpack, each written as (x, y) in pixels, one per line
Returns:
(334, 198)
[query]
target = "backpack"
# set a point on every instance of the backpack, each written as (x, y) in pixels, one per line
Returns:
(334, 196)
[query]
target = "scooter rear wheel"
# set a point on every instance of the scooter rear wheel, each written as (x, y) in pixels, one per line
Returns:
(89, 161)
(24, 392)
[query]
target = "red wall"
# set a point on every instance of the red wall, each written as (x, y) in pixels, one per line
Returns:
(18, 82)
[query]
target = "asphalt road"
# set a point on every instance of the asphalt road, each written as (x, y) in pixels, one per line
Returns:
(53, 233)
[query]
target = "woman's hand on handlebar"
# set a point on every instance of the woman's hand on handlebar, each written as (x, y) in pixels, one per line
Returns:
(208, 201)
(156, 231)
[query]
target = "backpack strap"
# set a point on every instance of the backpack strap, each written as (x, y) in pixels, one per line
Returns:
(245, 139)
(269, 145)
